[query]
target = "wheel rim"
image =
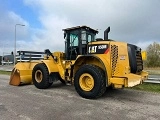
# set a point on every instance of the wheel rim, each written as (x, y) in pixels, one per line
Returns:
(86, 82)
(38, 76)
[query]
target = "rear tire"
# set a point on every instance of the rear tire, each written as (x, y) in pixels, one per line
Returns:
(132, 58)
(90, 81)
(40, 76)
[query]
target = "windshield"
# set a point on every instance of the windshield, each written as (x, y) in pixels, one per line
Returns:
(73, 39)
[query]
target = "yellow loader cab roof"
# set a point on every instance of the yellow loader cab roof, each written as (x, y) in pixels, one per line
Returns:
(81, 27)
(100, 41)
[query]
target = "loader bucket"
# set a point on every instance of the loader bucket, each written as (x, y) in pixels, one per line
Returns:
(22, 73)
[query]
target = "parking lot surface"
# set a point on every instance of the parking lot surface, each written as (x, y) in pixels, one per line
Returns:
(61, 102)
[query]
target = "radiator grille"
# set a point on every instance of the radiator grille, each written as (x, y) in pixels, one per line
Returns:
(114, 57)
(139, 61)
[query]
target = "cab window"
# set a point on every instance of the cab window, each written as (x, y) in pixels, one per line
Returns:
(73, 40)
(91, 37)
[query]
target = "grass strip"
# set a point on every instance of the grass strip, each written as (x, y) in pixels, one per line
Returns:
(5, 72)
(151, 87)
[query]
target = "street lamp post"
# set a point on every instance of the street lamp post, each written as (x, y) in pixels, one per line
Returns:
(15, 43)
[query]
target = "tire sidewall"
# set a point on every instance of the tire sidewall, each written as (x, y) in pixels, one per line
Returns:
(45, 76)
(97, 83)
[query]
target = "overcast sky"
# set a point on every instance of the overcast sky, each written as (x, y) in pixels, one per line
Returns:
(132, 21)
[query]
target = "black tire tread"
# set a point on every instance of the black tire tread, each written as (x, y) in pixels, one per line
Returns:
(101, 79)
(45, 82)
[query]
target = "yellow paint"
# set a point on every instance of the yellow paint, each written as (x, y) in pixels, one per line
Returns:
(119, 81)
(144, 55)
(117, 86)
(22, 73)
(38, 76)
(130, 79)
(115, 64)
(86, 82)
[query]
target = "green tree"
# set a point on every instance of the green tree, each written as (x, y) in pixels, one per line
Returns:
(153, 55)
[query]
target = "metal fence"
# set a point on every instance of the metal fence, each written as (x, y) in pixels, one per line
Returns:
(24, 56)
(153, 80)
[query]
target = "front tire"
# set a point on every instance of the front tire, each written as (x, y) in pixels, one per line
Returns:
(90, 82)
(40, 76)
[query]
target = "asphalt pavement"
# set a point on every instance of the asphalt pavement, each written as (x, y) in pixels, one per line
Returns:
(61, 102)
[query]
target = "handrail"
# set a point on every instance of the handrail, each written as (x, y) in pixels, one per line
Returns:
(25, 56)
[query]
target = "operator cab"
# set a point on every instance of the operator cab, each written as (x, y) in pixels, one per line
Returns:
(77, 39)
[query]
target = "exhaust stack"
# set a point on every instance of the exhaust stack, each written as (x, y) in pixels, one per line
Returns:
(106, 33)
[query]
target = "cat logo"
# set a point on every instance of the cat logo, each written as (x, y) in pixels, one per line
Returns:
(92, 49)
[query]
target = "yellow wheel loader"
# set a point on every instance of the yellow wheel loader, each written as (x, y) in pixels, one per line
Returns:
(91, 64)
